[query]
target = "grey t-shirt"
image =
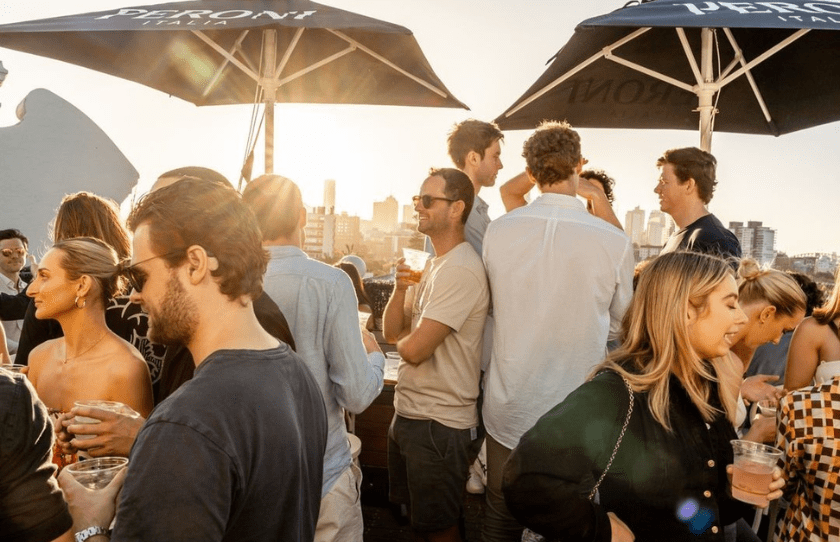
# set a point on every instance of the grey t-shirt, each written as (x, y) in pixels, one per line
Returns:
(235, 454)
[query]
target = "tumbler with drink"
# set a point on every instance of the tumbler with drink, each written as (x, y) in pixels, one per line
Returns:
(416, 261)
(752, 472)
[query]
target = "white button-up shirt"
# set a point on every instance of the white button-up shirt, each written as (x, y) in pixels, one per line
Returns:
(12, 327)
(561, 280)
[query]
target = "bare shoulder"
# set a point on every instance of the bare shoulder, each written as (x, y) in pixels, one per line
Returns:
(45, 352)
(812, 331)
(126, 359)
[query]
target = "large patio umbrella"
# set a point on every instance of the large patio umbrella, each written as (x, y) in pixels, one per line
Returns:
(218, 52)
(745, 67)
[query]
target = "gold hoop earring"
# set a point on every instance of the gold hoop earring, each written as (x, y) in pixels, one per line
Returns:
(76, 303)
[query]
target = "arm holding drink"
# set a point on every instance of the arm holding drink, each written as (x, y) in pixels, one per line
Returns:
(113, 436)
(91, 507)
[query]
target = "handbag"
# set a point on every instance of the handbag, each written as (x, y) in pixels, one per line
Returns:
(529, 535)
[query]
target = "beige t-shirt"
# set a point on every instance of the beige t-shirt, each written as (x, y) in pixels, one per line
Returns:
(444, 388)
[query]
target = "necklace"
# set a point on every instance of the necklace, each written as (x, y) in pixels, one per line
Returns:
(85, 351)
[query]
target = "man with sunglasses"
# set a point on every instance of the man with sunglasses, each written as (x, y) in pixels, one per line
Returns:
(437, 326)
(237, 452)
(13, 247)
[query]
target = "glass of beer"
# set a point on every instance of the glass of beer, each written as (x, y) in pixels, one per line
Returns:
(416, 261)
(753, 471)
(110, 406)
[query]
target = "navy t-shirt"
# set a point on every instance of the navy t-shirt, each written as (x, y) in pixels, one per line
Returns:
(236, 453)
(707, 235)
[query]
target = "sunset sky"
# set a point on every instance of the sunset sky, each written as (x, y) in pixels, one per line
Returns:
(487, 52)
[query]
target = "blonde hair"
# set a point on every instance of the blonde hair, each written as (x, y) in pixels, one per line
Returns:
(94, 258)
(655, 338)
(775, 287)
(831, 309)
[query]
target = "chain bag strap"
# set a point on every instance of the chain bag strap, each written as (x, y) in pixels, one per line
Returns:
(618, 442)
(529, 535)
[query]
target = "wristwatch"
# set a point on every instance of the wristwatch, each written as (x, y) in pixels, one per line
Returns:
(84, 534)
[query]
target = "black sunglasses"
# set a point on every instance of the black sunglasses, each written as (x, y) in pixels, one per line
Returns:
(137, 277)
(427, 200)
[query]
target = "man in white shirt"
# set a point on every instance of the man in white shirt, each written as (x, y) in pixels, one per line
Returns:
(437, 327)
(320, 304)
(13, 247)
(561, 280)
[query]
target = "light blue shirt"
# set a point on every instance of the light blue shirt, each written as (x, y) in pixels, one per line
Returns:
(320, 304)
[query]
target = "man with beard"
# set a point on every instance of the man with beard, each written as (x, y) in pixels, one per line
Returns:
(237, 452)
(437, 328)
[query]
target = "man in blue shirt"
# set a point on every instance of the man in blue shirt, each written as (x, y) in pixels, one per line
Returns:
(320, 304)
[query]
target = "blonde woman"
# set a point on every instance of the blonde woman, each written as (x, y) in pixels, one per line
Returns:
(74, 281)
(774, 304)
(814, 354)
(669, 476)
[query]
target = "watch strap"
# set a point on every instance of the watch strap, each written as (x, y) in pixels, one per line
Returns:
(84, 534)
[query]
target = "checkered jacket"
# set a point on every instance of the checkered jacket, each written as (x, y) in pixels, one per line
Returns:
(809, 434)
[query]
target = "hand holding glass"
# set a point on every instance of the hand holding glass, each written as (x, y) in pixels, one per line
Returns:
(416, 261)
(752, 472)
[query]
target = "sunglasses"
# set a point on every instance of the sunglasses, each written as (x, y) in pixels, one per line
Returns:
(427, 200)
(137, 277)
(7, 252)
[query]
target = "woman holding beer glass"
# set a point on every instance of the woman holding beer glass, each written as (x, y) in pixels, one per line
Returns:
(661, 461)
(74, 280)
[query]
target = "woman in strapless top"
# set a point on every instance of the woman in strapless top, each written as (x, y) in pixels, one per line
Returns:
(814, 354)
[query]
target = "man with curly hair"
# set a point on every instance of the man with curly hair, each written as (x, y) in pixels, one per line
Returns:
(567, 275)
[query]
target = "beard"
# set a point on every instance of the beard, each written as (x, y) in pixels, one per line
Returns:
(174, 323)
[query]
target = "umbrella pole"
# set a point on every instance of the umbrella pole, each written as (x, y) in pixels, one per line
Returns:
(706, 90)
(270, 89)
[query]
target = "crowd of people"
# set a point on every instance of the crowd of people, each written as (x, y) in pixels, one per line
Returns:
(589, 398)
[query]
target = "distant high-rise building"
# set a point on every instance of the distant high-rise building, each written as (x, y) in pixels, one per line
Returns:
(348, 234)
(329, 196)
(385, 214)
(655, 233)
(319, 233)
(409, 216)
(634, 225)
(757, 241)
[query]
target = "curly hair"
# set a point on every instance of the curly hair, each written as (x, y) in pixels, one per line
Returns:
(552, 152)
(601, 176)
(197, 212)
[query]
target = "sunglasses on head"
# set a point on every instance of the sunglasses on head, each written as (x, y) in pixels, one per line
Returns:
(427, 200)
(137, 277)
(7, 252)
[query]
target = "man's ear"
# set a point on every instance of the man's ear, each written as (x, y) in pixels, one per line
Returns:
(302, 222)
(690, 186)
(457, 209)
(199, 264)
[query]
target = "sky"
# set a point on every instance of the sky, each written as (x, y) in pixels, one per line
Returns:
(487, 53)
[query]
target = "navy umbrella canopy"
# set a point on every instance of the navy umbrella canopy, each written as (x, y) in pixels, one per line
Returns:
(218, 52)
(745, 67)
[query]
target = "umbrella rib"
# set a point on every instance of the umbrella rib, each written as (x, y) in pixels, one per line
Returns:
(315, 66)
(600, 54)
(387, 62)
(739, 55)
(282, 65)
(218, 75)
(764, 56)
(219, 49)
(647, 71)
(689, 54)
